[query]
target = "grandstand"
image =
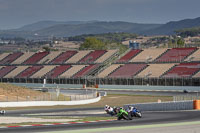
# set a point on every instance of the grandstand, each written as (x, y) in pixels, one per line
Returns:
(129, 56)
(127, 70)
(108, 70)
(136, 66)
(16, 71)
(10, 58)
(195, 57)
(78, 56)
(183, 70)
(23, 58)
(57, 71)
(155, 70)
(148, 55)
(73, 70)
(29, 71)
(43, 71)
(197, 75)
(85, 71)
(63, 57)
(175, 54)
(51, 56)
(36, 58)
(2, 56)
(92, 56)
(5, 70)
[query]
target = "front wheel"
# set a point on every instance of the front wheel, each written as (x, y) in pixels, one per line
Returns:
(138, 114)
(126, 117)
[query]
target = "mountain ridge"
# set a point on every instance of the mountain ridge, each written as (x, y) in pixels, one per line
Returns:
(45, 29)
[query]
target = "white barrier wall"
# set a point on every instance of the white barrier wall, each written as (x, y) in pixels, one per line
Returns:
(163, 106)
(48, 103)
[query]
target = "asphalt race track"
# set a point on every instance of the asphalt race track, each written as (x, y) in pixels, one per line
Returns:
(147, 118)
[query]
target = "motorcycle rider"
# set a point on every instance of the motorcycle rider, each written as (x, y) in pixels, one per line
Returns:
(130, 108)
(2, 112)
(109, 110)
(119, 111)
(133, 111)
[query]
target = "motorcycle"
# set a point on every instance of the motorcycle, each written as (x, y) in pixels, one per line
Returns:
(2, 112)
(122, 114)
(135, 113)
(109, 110)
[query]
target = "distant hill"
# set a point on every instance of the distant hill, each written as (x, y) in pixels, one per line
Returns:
(170, 27)
(45, 29)
(45, 24)
(94, 28)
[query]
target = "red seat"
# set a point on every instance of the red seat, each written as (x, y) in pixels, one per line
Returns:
(127, 71)
(85, 71)
(29, 71)
(129, 56)
(92, 56)
(57, 71)
(63, 57)
(36, 57)
(10, 58)
(183, 70)
(6, 70)
(175, 55)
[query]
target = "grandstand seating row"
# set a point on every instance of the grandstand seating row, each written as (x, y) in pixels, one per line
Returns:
(99, 56)
(67, 57)
(113, 71)
(50, 71)
(151, 70)
(161, 55)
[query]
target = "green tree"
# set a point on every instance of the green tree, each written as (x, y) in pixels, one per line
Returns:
(92, 43)
(180, 42)
(46, 48)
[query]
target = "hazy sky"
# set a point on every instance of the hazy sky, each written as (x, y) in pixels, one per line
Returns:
(16, 13)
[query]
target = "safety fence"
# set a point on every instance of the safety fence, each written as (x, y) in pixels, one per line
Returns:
(42, 97)
(49, 97)
(92, 80)
(167, 106)
(186, 97)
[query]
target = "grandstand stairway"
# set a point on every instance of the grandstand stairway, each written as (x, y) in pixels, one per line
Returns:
(95, 71)
(106, 64)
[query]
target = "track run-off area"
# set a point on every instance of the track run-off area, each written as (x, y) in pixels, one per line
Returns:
(149, 120)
